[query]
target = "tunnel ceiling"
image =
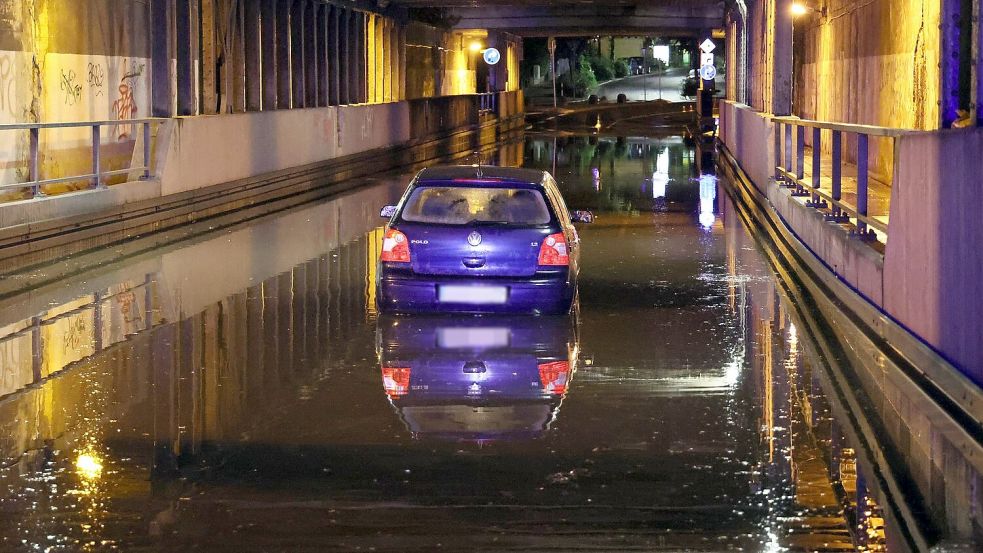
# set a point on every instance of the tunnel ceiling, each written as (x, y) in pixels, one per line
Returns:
(565, 18)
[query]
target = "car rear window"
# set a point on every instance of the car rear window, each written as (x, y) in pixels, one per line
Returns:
(461, 205)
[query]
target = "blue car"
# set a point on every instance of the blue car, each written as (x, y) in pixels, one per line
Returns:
(477, 378)
(480, 240)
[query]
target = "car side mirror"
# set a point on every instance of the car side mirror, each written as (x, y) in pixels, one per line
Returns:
(388, 212)
(582, 216)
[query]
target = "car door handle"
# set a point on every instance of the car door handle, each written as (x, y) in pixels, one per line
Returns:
(473, 262)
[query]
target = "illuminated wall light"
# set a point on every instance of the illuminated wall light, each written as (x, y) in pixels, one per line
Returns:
(799, 9)
(476, 46)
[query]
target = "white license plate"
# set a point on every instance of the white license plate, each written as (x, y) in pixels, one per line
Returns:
(455, 338)
(474, 295)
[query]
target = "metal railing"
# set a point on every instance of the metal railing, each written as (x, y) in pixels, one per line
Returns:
(488, 102)
(790, 171)
(97, 176)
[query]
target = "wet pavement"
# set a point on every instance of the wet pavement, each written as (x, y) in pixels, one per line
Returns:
(235, 390)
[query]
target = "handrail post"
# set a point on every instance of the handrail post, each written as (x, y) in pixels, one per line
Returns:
(837, 176)
(788, 148)
(146, 151)
(778, 150)
(800, 152)
(862, 185)
(817, 164)
(35, 168)
(96, 159)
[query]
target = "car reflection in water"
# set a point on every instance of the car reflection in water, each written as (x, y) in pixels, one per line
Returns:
(477, 379)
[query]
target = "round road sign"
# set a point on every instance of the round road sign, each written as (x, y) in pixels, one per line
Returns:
(491, 55)
(708, 72)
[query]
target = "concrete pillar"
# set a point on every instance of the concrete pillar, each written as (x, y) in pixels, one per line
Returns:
(237, 72)
(950, 30)
(268, 50)
(334, 49)
(209, 62)
(372, 51)
(310, 54)
(160, 58)
(283, 70)
(297, 63)
(186, 36)
(323, 77)
(253, 56)
(360, 56)
(344, 56)
(394, 62)
(781, 84)
(401, 48)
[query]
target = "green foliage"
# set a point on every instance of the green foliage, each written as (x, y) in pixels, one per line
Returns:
(603, 68)
(621, 68)
(583, 79)
(658, 65)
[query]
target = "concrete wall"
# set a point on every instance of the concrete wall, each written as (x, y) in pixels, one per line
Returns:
(933, 267)
(202, 151)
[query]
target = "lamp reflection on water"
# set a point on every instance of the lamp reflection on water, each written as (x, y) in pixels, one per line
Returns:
(708, 193)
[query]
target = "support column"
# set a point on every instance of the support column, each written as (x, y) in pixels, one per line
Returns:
(284, 70)
(209, 61)
(401, 49)
(269, 53)
(297, 62)
(253, 56)
(183, 20)
(781, 83)
(370, 53)
(238, 70)
(358, 58)
(311, 42)
(344, 56)
(160, 58)
(334, 50)
(323, 70)
(390, 66)
(949, 54)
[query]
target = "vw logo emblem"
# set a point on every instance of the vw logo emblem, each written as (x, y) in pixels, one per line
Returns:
(474, 238)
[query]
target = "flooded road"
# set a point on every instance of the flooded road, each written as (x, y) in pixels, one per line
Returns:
(235, 390)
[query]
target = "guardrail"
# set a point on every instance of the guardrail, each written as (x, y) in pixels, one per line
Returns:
(488, 102)
(791, 171)
(97, 175)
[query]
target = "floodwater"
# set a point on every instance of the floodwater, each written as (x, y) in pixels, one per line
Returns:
(233, 389)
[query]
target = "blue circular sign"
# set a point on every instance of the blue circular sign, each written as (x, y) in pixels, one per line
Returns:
(708, 72)
(491, 55)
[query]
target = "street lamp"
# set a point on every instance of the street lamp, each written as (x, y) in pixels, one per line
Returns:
(799, 9)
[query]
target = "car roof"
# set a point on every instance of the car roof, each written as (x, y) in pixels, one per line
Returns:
(481, 173)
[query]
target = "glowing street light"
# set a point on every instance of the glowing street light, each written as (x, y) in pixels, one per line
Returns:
(476, 46)
(799, 9)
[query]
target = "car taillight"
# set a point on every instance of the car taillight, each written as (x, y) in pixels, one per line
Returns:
(554, 250)
(554, 376)
(396, 381)
(395, 247)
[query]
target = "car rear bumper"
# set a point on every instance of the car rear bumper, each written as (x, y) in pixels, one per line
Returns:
(415, 294)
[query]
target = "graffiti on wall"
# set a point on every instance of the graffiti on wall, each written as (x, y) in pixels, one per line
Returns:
(125, 107)
(7, 84)
(70, 87)
(97, 77)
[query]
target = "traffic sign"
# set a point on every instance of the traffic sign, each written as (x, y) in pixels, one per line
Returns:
(491, 55)
(706, 59)
(707, 46)
(708, 72)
